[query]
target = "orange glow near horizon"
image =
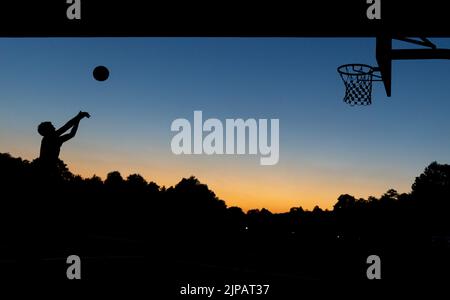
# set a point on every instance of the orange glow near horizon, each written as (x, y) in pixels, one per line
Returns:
(247, 189)
(237, 180)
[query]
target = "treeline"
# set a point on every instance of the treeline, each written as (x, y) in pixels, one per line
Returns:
(430, 193)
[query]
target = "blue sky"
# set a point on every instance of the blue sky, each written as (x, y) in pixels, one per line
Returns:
(326, 146)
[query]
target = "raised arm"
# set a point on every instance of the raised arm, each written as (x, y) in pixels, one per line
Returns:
(65, 137)
(72, 122)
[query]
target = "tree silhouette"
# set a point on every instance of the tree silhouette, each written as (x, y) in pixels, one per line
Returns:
(189, 227)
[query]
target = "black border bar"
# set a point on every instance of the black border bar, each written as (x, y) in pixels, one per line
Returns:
(224, 18)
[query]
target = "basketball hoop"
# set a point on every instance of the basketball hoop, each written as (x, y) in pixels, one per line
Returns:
(358, 80)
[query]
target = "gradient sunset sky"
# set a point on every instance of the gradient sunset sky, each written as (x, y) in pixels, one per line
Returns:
(327, 148)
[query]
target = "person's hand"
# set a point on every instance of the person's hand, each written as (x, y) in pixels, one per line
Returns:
(83, 114)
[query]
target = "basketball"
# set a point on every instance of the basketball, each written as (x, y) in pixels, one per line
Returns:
(100, 73)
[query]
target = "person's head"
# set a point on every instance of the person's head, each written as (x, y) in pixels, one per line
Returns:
(46, 129)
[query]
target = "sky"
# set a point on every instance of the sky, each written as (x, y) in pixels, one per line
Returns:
(327, 148)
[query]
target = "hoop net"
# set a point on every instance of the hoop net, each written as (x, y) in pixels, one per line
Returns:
(358, 80)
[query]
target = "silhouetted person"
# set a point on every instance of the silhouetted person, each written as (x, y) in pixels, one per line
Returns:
(53, 139)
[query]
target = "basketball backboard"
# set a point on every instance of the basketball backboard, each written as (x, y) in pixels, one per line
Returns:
(358, 78)
(384, 60)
